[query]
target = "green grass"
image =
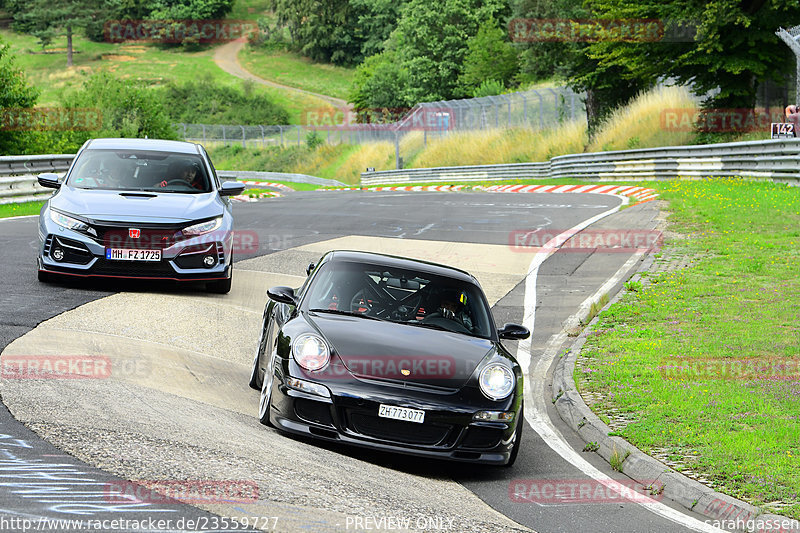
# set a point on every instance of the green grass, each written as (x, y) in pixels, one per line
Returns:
(740, 300)
(294, 70)
(15, 210)
(146, 63)
(248, 9)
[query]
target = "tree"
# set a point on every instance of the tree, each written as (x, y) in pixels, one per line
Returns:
(604, 84)
(48, 18)
(431, 43)
(380, 84)
(733, 50)
(15, 93)
(490, 56)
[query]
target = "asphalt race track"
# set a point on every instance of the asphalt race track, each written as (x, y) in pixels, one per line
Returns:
(176, 405)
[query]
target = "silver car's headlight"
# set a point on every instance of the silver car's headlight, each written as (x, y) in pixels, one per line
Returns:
(203, 227)
(497, 381)
(310, 351)
(66, 221)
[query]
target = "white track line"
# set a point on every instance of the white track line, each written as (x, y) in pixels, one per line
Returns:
(536, 413)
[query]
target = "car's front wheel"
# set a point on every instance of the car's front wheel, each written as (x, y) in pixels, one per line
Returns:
(265, 401)
(266, 325)
(517, 439)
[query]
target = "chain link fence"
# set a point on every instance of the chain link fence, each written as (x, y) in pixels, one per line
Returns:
(533, 109)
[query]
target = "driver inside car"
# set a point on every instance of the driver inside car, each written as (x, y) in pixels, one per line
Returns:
(189, 173)
(452, 305)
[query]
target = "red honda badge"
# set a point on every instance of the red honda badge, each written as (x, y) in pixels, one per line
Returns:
(134, 233)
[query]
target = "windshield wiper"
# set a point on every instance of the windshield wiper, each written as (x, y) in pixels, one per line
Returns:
(346, 313)
(428, 325)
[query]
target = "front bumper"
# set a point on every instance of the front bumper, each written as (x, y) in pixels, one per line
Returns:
(350, 416)
(85, 256)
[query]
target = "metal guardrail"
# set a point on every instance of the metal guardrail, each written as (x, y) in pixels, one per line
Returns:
(778, 160)
(18, 176)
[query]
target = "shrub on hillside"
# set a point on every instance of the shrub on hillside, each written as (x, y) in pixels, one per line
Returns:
(205, 102)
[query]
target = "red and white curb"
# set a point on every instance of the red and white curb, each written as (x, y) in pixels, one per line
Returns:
(256, 197)
(641, 194)
(280, 186)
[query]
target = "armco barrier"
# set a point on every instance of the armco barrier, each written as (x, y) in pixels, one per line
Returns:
(18, 176)
(778, 160)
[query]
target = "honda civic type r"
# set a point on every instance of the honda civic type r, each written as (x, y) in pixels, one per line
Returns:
(393, 354)
(139, 208)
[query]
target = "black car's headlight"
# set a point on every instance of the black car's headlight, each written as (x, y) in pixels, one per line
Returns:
(203, 227)
(496, 381)
(310, 351)
(66, 221)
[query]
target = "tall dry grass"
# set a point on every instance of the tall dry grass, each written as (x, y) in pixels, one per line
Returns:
(379, 155)
(502, 146)
(648, 122)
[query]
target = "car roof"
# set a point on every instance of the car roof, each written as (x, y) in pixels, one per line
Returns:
(373, 258)
(156, 145)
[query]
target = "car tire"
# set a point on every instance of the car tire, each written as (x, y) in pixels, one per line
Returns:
(222, 286)
(44, 277)
(255, 383)
(517, 439)
(265, 399)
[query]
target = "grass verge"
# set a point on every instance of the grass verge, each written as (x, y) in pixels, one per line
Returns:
(294, 70)
(660, 355)
(15, 210)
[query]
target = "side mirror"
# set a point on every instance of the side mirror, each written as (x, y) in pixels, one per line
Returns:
(231, 188)
(49, 180)
(513, 332)
(284, 295)
(310, 268)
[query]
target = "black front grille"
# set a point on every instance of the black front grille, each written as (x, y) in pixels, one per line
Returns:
(479, 437)
(104, 267)
(150, 237)
(311, 411)
(398, 431)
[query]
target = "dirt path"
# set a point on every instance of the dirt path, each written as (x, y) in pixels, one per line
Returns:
(226, 57)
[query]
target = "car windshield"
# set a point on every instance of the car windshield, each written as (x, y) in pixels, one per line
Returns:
(140, 170)
(398, 295)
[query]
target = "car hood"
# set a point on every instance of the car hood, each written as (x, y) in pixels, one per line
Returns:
(127, 206)
(381, 350)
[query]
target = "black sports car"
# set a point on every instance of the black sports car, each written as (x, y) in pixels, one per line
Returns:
(390, 353)
(140, 208)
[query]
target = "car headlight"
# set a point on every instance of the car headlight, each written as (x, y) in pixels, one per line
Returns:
(496, 381)
(203, 227)
(310, 351)
(68, 222)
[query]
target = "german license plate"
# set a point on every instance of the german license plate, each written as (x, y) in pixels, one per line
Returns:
(401, 413)
(127, 254)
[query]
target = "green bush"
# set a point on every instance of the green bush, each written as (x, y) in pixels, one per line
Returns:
(127, 110)
(205, 102)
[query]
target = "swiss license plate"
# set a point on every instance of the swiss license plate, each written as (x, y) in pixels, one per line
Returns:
(401, 413)
(127, 254)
